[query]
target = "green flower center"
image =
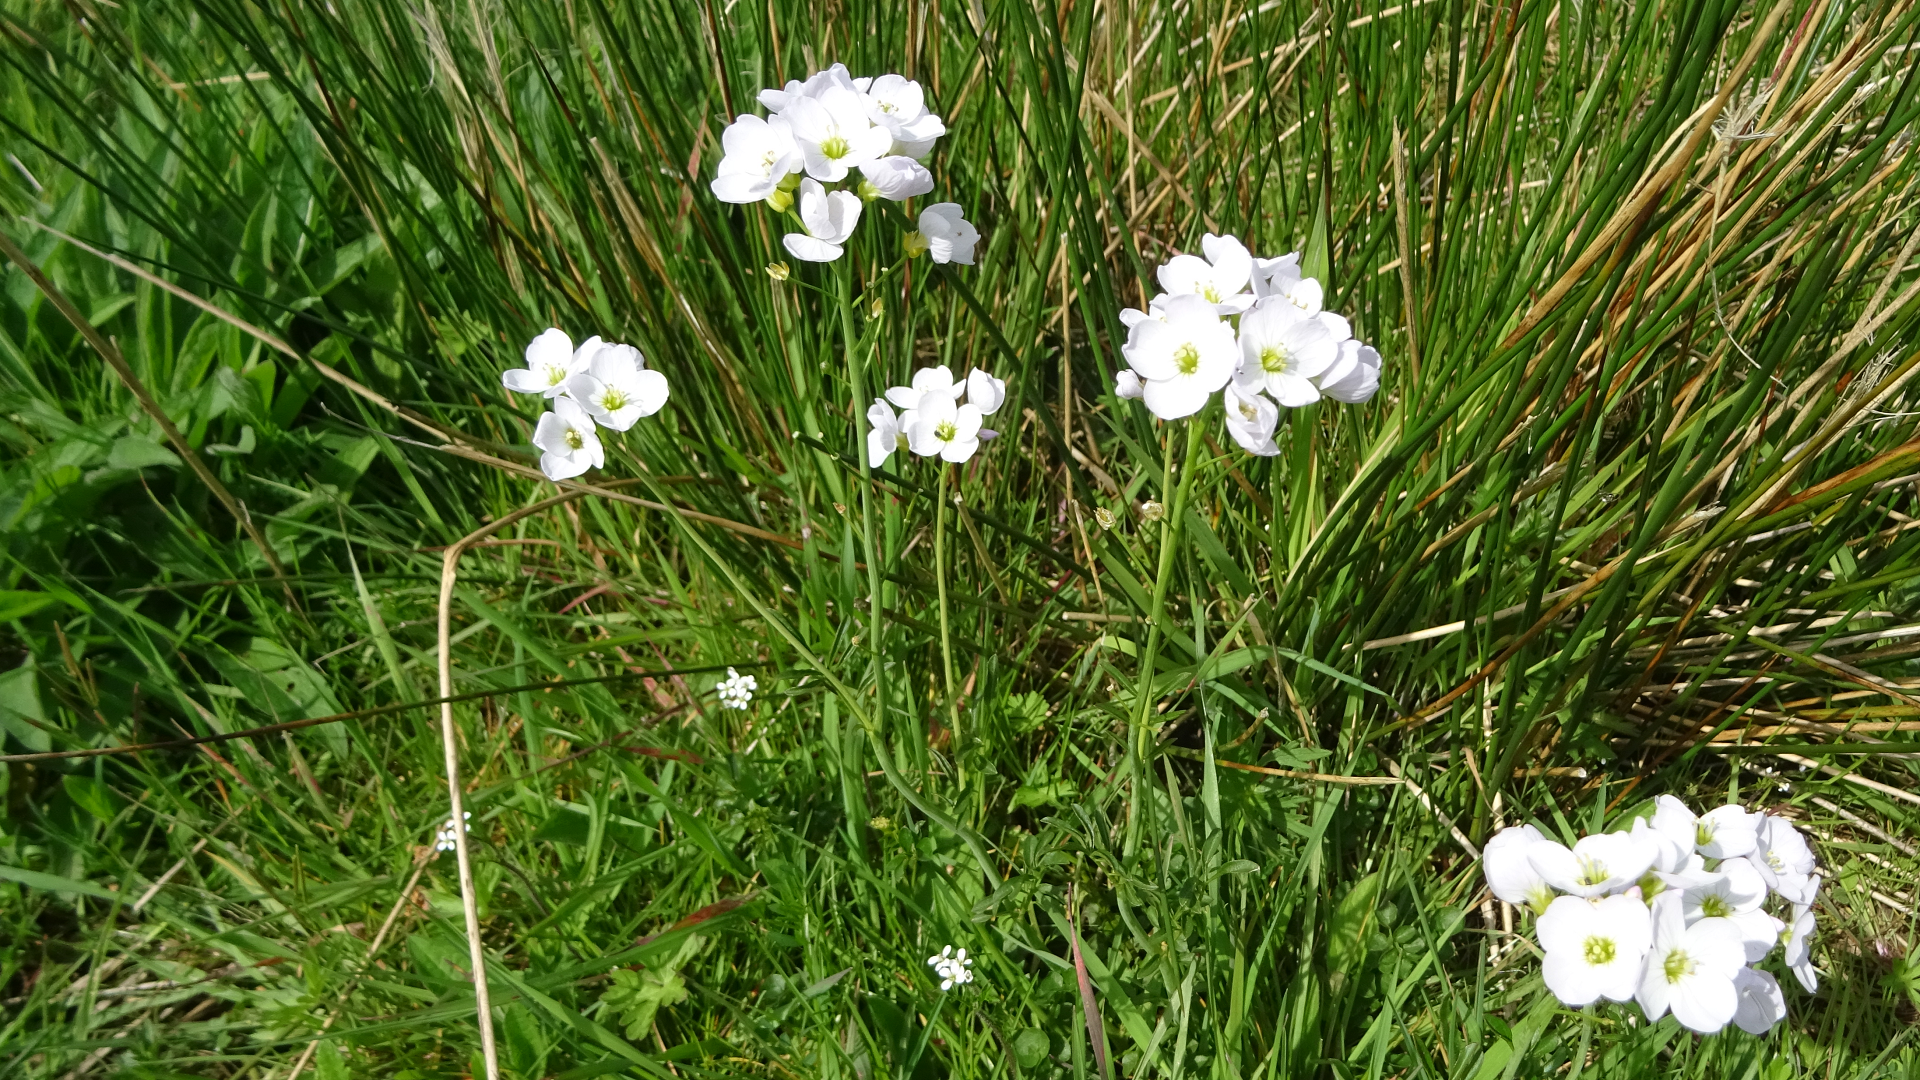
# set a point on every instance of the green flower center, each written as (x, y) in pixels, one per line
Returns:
(1702, 834)
(889, 107)
(612, 399)
(1779, 865)
(1187, 359)
(556, 375)
(834, 146)
(575, 440)
(1715, 906)
(1273, 358)
(1593, 872)
(1678, 966)
(1600, 950)
(945, 431)
(1211, 292)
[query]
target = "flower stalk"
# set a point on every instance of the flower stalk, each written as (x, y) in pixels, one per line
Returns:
(946, 632)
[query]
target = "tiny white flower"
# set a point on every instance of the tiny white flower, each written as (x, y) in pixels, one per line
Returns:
(1761, 1005)
(551, 361)
(1281, 351)
(941, 428)
(1690, 969)
(817, 84)
(834, 134)
(759, 154)
(1798, 955)
(1595, 948)
(950, 967)
(617, 388)
(1598, 864)
(950, 236)
(885, 433)
(896, 178)
(1221, 278)
(567, 438)
(1184, 359)
(1725, 832)
(899, 105)
(984, 392)
(1251, 419)
(736, 690)
(829, 220)
(1782, 858)
(1354, 375)
(1510, 874)
(1127, 385)
(937, 380)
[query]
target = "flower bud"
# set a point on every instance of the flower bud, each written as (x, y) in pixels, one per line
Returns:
(1104, 516)
(915, 244)
(1151, 511)
(778, 271)
(780, 201)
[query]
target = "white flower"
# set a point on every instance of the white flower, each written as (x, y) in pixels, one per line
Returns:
(1598, 864)
(1668, 855)
(1281, 351)
(835, 77)
(1510, 874)
(759, 155)
(1156, 309)
(1734, 889)
(1798, 956)
(736, 690)
(1354, 375)
(1690, 969)
(1725, 832)
(1182, 360)
(567, 437)
(1783, 859)
(885, 434)
(1761, 1005)
(984, 392)
(617, 389)
(1595, 948)
(941, 428)
(897, 178)
(448, 837)
(1251, 419)
(950, 967)
(898, 105)
(834, 134)
(950, 236)
(551, 360)
(1672, 820)
(1128, 385)
(937, 380)
(1281, 277)
(1221, 277)
(829, 220)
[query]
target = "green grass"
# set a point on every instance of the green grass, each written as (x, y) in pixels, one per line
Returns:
(1658, 363)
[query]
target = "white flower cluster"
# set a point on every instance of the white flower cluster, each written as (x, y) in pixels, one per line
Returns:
(819, 133)
(950, 967)
(934, 422)
(1670, 914)
(598, 383)
(444, 840)
(736, 690)
(1184, 346)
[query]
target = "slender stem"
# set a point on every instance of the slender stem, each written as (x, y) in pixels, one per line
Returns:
(946, 634)
(1170, 529)
(857, 376)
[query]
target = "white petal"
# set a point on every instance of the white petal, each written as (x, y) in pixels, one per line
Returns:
(808, 249)
(1171, 399)
(1760, 1004)
(523, 381)
(1705, 1004)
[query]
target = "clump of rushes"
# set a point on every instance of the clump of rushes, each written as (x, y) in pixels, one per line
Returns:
(1670, 913)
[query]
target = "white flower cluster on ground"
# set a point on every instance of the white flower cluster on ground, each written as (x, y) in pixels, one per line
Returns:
(1186, 345)
(951, 968)
(736, 690)
(446, 838)
(801, 160)
(599, 384)
(934, 422)
(1671, 914)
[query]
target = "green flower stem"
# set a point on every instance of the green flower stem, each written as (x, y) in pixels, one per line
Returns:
(946, 633)
(857, 376)
(1170, 530)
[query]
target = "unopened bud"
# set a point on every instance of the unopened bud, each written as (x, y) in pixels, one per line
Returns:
(867, 191)
(1104, 516)
(915, 244)
(778, 271)
(1151, 511)
(781, 200)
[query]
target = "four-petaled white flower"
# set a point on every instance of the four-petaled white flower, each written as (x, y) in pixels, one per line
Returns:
(1354, 375)
(448, 837)
(1690, 968)
(1798, 955)
(1283, 350)
(828, 217)
(1251, 419)
(951, 967)
(949, 235)
(937, 380)
(896, 178)
(1595, 948)
(1725, 832)
(1597, 864)
(897, 104)
(984, 392)
(1511, 874)
(1184, 359)
(617, 389)
(736, 690)
(567, 438)
(760, 154)
(817, 84)
(943, 428)
(884, 433)
(834, 133)
(551, 361)
(1733, 894)
(1783, 859)
(1760, 1003)
(1220, 278)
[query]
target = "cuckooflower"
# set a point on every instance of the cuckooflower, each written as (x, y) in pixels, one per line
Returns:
(1798, 954)
(834, 134)
(1598, 864)
(1667, 857)
(1251, 419)
(736, 690)
(567, 438)
(1725, 832)
(1783, 859)
(829, 219)
(1221, 277)
(1276, 276)
(759, 155)
(950, 236)
(897, 104)
(1732, 895)
(1690, 969)
(943, 428)
(936, 380)
(1674, 821)
(551, 360)
(617, 388)
(897, 178)
(1128, 386)
(1595, 948)
(816, 85)
(950, 967)
(1281, 351)
(1761, 1004)
(885, 432)
(984, 392)
(1182, 360)
(1510, 874)
(1354, 376)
